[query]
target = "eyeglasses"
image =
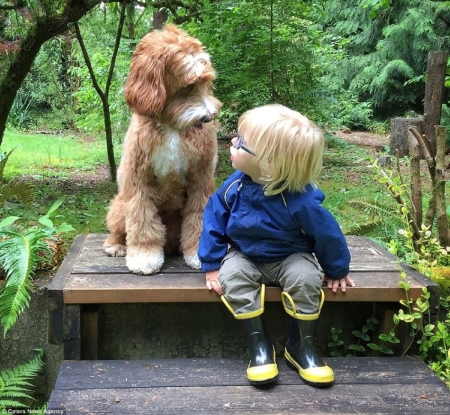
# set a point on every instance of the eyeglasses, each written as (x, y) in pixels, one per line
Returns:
(237, 144)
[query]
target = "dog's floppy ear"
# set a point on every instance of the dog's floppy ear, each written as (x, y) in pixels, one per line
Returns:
(145, 91)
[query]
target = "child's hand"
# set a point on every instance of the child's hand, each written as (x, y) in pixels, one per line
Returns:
(212, 282)
(334, 284)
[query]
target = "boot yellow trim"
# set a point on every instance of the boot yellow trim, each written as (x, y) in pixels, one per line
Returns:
(251, 314)
(318, 376)
(264, 373)
(292, 311)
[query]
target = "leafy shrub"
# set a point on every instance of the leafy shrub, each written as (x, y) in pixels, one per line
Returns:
(20, 116)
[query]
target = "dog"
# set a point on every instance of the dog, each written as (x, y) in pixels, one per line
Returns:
(166, 173)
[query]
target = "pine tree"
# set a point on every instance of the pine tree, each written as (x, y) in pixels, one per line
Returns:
(388, 45)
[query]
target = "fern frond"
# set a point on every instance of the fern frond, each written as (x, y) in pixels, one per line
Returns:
(12, 382)
(364, 229)
(374, 208)
(19, 256)
(17, 188)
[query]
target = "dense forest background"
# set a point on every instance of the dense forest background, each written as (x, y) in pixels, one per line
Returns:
(353, 63)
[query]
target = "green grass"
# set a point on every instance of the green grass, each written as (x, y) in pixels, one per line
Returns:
(67, 167)
(41, 156)
(60, 167)
(51, 162)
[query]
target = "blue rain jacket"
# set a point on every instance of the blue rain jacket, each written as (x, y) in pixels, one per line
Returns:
(270, 228)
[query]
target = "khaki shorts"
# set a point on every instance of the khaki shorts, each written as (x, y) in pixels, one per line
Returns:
(299, 275)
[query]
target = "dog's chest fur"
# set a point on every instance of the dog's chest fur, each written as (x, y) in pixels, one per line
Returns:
(170, 157)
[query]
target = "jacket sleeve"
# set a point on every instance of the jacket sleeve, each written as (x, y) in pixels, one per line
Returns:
(330, 246)
(213, 245)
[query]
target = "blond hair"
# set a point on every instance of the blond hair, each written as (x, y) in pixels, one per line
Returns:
(288, 145)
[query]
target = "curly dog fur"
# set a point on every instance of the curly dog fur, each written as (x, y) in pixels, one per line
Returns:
(166, 174)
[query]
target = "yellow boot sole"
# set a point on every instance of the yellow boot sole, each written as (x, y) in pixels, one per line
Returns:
(321, 376)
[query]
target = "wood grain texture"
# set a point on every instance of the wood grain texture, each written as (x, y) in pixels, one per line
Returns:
(366, 256)
(96, 278)
(219, 386)
(129, 288)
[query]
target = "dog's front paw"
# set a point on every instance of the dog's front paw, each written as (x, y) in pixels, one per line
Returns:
(192, 261)
(115, 250)
(144, 263)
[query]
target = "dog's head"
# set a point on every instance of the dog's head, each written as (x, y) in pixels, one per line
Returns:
(171, 80)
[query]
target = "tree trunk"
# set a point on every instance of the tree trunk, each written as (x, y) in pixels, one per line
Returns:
(46, 28)
(434, 90)
(160, 17)
(399, 145)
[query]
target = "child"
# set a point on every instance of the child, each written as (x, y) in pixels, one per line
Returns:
(263, 226)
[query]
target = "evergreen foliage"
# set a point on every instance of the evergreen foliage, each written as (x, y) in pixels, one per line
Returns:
(388, 45)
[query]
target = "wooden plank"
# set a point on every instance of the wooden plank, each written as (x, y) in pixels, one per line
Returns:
(363, 385)
(55, 327)
(366, 256)
(161, 288)
(146, 373)
(72, 331)
(282, 399)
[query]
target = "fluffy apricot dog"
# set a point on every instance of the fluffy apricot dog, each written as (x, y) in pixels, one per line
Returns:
(166, 174)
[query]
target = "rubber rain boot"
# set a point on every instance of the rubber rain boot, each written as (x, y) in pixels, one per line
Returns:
(262, 368)
(301, 355)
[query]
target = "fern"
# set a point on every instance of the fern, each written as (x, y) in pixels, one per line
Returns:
(17, 188)
(19, 255)
(364, 229)
(15, 385)
(374, 209)
(380, 213)
(21, 250)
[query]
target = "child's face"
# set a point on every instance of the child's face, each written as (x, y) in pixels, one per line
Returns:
(243, 158)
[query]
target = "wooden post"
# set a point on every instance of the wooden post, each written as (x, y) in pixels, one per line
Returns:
(442, 222)
(416, 183)
(399, 144)
(434, 89)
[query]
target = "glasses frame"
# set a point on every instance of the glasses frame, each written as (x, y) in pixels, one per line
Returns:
(238, 144)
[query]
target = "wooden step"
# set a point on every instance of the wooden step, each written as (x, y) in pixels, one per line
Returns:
(387, 385)
(89, 276)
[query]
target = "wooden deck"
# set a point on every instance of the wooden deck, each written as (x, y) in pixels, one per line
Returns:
(219, 386)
